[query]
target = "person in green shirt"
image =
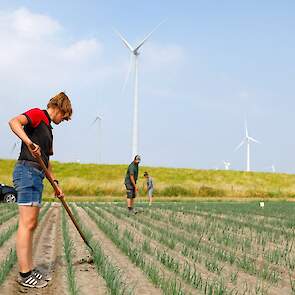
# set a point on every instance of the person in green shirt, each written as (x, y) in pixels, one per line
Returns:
(130, 183)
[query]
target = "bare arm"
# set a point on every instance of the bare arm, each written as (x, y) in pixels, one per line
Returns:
(133, 181)
(50, 170)
(16, 125)
(58, 193)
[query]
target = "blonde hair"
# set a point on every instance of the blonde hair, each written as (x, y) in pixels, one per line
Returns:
(62, 102)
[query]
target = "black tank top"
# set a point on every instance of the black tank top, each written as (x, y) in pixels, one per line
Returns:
(39, 130)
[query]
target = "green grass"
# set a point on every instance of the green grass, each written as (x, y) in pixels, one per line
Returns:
(106, 182)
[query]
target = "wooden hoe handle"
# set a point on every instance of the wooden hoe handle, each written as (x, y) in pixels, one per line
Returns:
(55, 187)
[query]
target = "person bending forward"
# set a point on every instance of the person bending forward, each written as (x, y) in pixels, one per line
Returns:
(34, 128)
(149, 187)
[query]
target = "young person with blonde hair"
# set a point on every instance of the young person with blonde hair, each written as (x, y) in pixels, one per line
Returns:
(33, 127)
(149, 187)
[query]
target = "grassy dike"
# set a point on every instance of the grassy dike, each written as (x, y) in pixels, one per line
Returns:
(106, 182)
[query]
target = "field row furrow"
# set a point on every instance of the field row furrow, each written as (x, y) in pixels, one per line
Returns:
(188, 271)
(9, 261)
(244, 262)
(174, 263)
(156, 275)
(228, 237)
(68, 252)
(255, 214)
(103, 263)
(7, 216)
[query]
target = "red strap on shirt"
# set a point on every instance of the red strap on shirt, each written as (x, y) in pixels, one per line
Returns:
(36, 116)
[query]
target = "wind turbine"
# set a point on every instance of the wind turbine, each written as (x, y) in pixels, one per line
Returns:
(99, 120)
(15, 145)
(272, 167)
(226, 165)
(134, 57)
(247, 140)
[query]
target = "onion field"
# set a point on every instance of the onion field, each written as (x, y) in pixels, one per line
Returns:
(168, 248)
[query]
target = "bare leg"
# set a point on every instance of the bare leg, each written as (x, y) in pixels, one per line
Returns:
(129, 202)
(28, 220)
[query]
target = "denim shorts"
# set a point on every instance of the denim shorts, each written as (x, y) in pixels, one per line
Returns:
(28, 182)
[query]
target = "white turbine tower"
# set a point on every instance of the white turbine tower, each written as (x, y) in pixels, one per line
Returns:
(134, 56)
(246, 140)
(99, 120)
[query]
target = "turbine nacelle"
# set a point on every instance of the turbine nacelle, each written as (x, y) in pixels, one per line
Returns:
(135, 50)
(248, 138)
(96, 119)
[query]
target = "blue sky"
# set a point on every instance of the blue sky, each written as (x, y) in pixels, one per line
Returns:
(210, 65)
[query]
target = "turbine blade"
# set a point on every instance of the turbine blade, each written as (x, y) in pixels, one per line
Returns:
(96, 118)
(239, 146)
(128, 73)
(246, 128)
(13, 148)
(254, 140)
(123, 40)
(148, 35)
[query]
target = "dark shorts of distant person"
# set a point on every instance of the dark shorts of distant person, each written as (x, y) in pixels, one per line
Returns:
(130, 191)
(150, 192)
